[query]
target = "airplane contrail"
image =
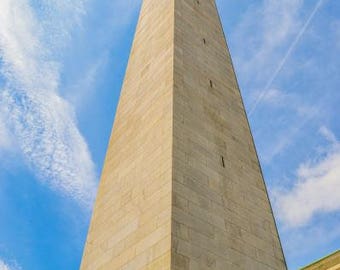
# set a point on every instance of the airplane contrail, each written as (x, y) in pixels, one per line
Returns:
(284, 59)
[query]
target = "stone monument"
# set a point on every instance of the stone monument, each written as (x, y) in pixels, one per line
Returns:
(181, 186)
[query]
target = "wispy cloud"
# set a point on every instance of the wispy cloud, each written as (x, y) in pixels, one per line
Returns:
(316, 189)
(294, 117)
(261, 41)
(110, 23)
(286, 57)
(42, 122)
(276, 48)
(302, 245)
(3, 266)
(5, 140)
(274, 97)
(283, 61)
(6, 266)
(278, 99)
(83, 89)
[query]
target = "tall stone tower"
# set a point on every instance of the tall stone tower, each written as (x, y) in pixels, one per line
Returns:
(181, 186)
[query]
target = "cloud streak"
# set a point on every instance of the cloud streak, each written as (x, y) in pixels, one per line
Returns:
(42, 123)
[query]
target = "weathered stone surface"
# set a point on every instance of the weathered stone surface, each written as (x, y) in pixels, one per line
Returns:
(181, 186)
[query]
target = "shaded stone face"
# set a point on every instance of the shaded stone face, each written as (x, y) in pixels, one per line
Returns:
(331, 262)
(181, 186)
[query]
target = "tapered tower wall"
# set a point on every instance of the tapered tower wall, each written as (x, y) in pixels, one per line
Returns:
(181, 186)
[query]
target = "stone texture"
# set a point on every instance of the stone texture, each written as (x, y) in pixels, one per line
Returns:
(131, 223)
(181, 187)
(331, 262)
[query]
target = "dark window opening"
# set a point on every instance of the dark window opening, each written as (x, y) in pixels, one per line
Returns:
(222, 159)
(211, 84)
(204, 41)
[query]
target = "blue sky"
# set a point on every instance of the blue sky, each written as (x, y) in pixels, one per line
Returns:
(61, 68)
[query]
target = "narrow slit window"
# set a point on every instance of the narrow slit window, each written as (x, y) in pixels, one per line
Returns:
(222, 160)
(204, 41)
(211, 83)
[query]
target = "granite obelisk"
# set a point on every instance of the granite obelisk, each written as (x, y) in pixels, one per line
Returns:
(181, 186)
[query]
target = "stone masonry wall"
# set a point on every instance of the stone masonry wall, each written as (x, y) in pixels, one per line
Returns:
(222, 218)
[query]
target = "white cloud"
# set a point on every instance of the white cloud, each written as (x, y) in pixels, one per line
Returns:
(41, 122)
(3, 266)
(316, 190)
